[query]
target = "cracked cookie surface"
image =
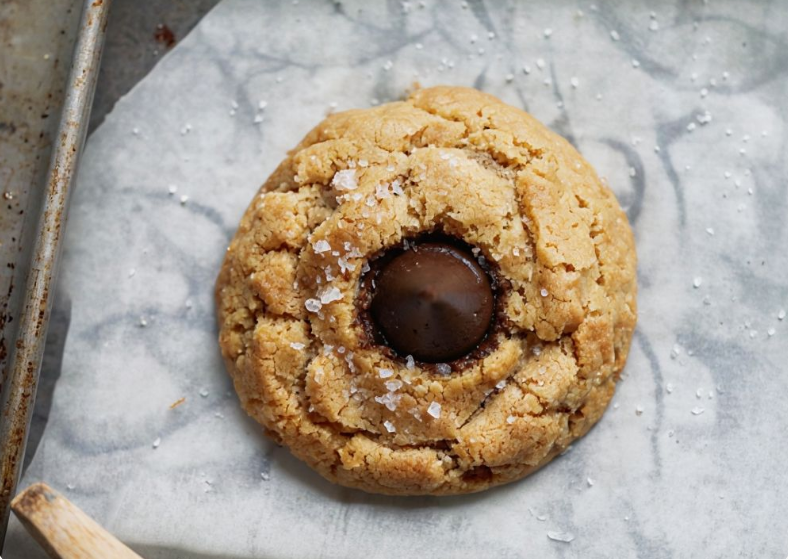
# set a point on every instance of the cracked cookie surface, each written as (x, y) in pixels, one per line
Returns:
(462, 163)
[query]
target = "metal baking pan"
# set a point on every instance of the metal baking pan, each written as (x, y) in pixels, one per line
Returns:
(41, 36)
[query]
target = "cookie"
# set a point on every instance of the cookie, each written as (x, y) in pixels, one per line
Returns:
(433, 296)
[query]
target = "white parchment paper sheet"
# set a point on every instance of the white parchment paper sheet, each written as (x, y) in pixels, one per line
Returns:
(683, 111)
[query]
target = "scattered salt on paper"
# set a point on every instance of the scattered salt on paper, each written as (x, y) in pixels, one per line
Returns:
(697, 410)
(156, 442)
(537, 515)
(565, 537)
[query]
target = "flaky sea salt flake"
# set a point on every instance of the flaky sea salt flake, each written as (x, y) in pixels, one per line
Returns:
(382, 192)
(704, 117)
(321, 246)
(537, 515)
(565, 537)
(345, 180)
(298, 346)
(389, 426)
(697, 410)
(156, 442)
(385, 373)
(329, 295)
(434, 410)
(393, 385)
(313, 305)
(390, 400)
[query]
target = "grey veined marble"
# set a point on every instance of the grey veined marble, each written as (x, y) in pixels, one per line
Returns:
(683, 109)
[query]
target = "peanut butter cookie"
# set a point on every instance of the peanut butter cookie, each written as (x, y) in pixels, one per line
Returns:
(433, 296)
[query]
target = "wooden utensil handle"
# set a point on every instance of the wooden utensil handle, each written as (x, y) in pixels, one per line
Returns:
(62, 529)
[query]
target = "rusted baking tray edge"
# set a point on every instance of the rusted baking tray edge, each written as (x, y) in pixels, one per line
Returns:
(19, 392)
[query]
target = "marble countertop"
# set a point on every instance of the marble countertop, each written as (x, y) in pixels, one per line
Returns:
(682, 109)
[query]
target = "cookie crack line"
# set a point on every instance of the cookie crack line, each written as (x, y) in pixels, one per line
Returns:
(533, 153)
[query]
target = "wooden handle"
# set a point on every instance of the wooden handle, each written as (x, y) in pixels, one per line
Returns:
(62, 529)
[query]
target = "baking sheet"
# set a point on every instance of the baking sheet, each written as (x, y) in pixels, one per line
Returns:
(35, 239)
(683, 112)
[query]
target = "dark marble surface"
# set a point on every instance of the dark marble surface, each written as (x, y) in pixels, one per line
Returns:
(684, 112)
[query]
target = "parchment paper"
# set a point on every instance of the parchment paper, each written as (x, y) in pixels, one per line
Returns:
(683, 110)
